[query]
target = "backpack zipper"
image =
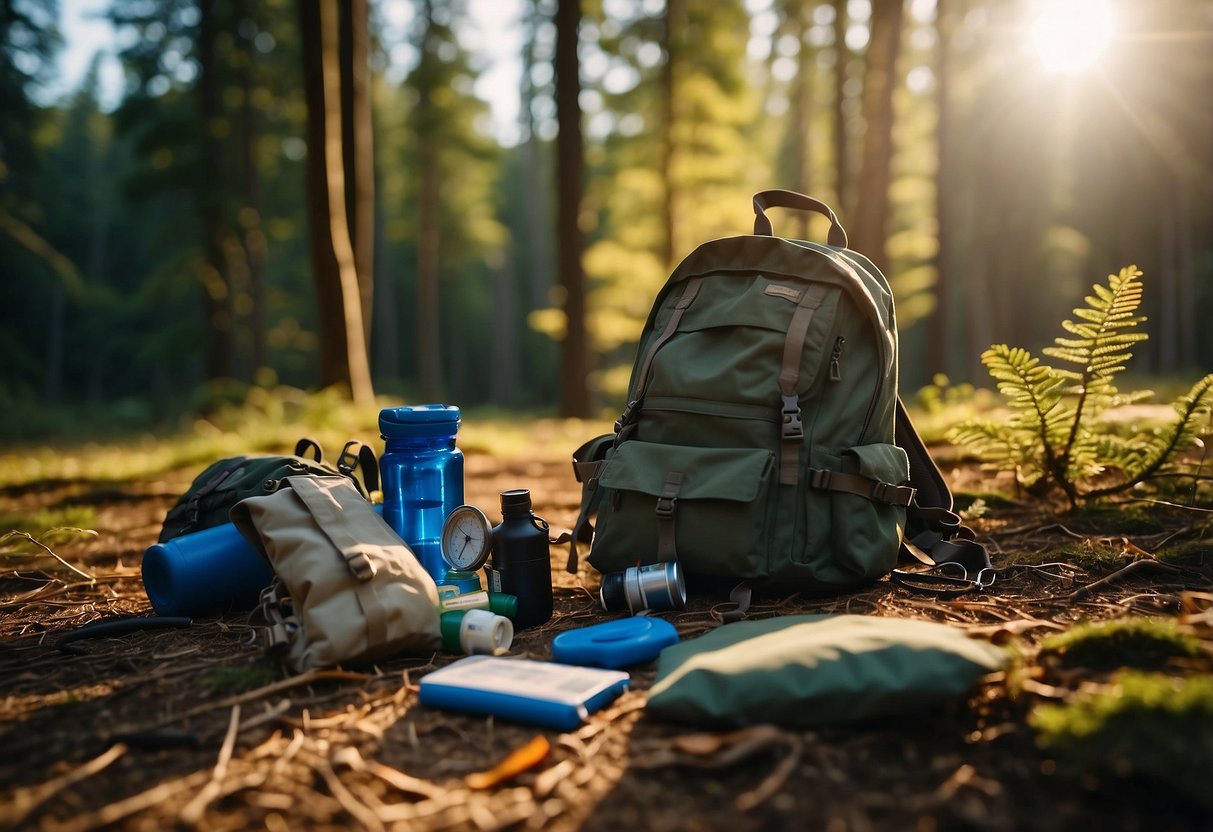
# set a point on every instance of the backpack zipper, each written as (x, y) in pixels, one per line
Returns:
(835, 370)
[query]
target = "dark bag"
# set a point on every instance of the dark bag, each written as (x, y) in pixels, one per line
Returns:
(212, 494)
(763, 440)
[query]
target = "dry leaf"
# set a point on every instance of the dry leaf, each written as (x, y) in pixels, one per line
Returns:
(524, 758)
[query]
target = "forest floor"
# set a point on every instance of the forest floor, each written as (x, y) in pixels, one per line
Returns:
(191, 727)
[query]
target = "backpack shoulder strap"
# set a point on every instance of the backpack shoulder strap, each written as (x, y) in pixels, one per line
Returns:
(934, 533)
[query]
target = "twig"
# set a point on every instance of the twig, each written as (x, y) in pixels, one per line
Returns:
(114, 812)
(270, 689)
(26, 801)
(360, 812)
(193, 811)
(49, 551)
(1136, 566)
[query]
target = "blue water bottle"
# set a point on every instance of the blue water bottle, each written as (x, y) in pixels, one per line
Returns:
(421, 472)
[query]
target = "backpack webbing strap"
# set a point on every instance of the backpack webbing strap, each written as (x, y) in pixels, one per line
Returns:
(623, 426)
(934, 533)
(792, 430)
(876, 490)
(667, 502)
(588, 462)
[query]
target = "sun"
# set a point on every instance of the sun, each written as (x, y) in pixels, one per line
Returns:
(1070, 35)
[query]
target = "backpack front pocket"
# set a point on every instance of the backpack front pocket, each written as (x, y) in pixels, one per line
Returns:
(706, 506)
(856, 514)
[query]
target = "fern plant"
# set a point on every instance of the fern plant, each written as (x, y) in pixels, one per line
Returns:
(1054, 438)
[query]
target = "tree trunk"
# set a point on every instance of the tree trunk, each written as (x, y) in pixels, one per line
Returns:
(802, 114)
(217, 362)
(429, 346)
(675, 16)
(575, 398)
(358, 146)
(252, 231)
(343, 354)
(872, 209)
(939, 329)
(842, 56)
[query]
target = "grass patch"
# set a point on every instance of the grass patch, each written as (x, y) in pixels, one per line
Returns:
(1143, 725)
(1142, 643)
(271, 421)
(50, 524)
(229, 679)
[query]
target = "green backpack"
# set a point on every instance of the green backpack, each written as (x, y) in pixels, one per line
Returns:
(223, 484)
(763, 440)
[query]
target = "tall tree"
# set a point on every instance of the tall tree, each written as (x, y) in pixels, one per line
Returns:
(869, 227)
(939, 333)
(343, 343)
(575, 396)
(357, 145)
(839, 140)
(426, 115)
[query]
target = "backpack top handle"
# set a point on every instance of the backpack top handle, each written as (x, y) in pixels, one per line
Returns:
(779, 198)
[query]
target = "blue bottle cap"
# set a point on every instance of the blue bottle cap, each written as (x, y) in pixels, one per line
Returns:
(419, 420)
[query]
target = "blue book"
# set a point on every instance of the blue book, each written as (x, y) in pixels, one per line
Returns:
(552, 695)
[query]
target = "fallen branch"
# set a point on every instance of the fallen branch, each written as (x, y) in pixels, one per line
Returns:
(1136, 566)
(193, 811)
(26, 801)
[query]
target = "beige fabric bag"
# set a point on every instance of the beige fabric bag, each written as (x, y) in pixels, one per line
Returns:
(348, 589)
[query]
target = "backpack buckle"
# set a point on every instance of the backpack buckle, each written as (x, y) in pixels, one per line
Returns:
(627, 416)
(665, 507)
(792, 426)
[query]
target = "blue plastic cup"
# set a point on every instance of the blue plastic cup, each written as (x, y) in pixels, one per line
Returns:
(204, 573)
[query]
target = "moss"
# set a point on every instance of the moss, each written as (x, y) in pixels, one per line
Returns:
(1089, 555)
(1143, 725)
(1144, 643)
(1107, 519)
(1189, 553)
(239, 678)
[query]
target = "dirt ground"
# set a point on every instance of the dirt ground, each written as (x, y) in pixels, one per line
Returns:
(190, 727)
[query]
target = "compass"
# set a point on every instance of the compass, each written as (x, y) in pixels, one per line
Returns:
(466, 538)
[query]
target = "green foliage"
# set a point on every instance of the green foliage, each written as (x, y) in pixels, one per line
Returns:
(1147, 725)
(1142, 643)
(1054, 438)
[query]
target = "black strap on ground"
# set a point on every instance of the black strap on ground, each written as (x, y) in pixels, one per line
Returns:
(934, 533)
(116, 627)
(945, 582)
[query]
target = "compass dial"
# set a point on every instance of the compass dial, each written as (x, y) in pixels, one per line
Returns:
(466, 538)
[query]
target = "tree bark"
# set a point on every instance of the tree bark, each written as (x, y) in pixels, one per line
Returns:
(358, 146)
(939, 330)
(429, 347)
(343, 352)
(575, 398)
(217, 361)
(675, 16)
(872, 208)
(842, 57)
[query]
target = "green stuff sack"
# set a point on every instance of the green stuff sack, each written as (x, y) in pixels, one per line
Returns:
(213, 493)
(809, 670)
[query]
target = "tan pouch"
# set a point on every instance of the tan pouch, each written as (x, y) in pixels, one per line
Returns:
(348, 589)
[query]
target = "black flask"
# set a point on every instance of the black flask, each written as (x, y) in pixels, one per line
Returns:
(522, 563)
